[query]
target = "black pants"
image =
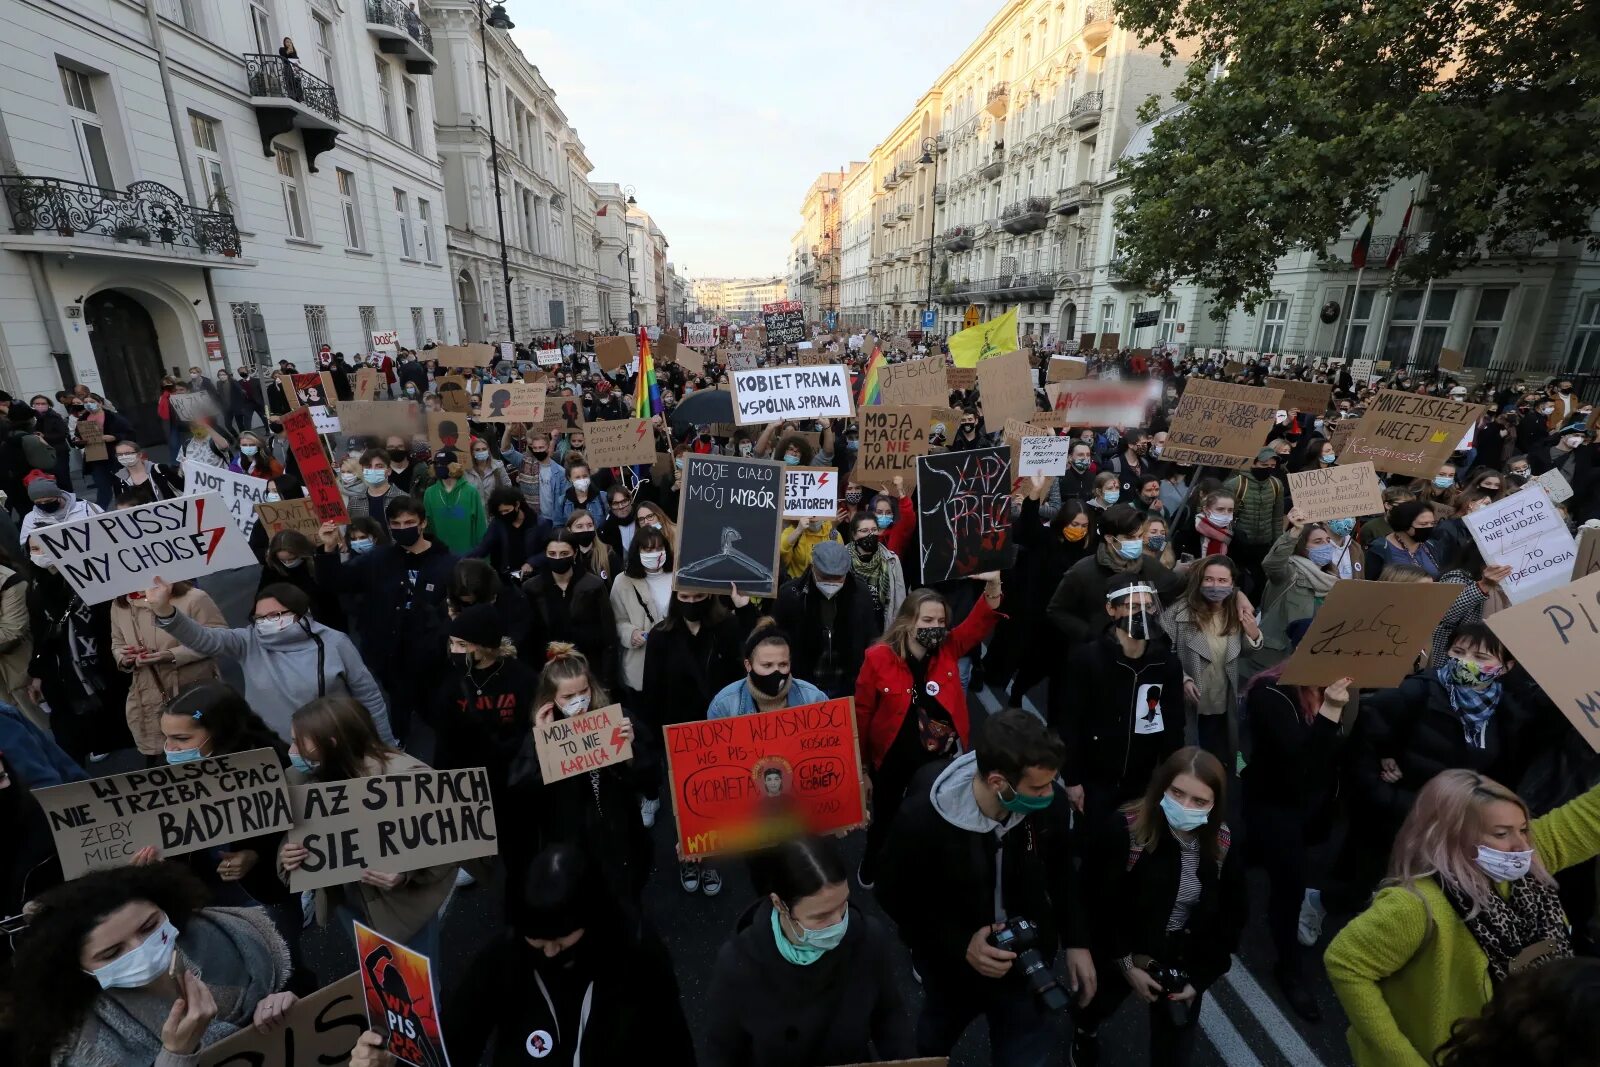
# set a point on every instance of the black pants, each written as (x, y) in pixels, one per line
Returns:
(1250, 557)
(649, 741)
(889, 784)
(1277, 844)
(1171, 1043)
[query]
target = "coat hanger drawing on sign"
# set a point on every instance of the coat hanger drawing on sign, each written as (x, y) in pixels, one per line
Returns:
(729, 554)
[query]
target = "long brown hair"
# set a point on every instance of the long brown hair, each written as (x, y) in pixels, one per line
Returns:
(1200, 607)
(1150, 822)
(903, 628)
(343, 731)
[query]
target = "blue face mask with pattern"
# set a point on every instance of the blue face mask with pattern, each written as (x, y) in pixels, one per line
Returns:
(1341, 527)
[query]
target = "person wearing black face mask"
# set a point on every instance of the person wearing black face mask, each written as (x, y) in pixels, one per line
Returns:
(513, 541)
(769, 683)
(485, 704)
(1413, 523)
(570, 604)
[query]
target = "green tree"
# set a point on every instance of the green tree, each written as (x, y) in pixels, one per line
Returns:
(1294, 116)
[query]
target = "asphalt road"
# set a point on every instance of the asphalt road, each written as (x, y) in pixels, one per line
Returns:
(1244, 1023)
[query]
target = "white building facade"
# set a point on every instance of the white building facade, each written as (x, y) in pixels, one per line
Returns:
(855, 253)
(178, 194)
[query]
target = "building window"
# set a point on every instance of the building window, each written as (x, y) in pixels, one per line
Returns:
(1353, 335)
(207, 134)
(1169, 322)
(289, 180)
(1585, 352)
(1486, 327)
(89, 131)
(369, 323)
(1274, 321)
(324, 40)
(413, 115)
(438, 325)
(261, 29)
(408, 248)
(385, 97)
(351, 208)
(179, 11)
(251, 332)
(1135, 308)
(1409, 317)
(417, 327)
(425, 224)
(317, 326)
(1108, 317)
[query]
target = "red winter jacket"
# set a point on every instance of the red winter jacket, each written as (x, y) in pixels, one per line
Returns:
(883, 688)
(897, 538)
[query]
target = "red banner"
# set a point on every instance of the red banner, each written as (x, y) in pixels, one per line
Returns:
(752, 780)
(315, 470)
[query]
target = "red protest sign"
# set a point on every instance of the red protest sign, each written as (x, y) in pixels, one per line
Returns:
(402, 1000)
(752, 780)
(315, 470)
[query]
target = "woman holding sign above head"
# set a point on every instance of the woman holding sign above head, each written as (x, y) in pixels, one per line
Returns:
(158, 665)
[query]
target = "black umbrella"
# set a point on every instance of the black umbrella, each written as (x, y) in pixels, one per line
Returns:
(702, 409)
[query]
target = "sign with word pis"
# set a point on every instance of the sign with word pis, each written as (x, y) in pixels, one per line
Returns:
(1342, 492)
(810, 493)
(1411, 434)
(104, 556)
(402, 999)
(1369, 631)
(391, 823)
(1221, 425)
(1556, 638)
(1525, 532)
(321, 1028)
(749, 781)
(774, 394)
(729, 515)
(242, 492)
(582, 743)
(176, 809)
(964, 513)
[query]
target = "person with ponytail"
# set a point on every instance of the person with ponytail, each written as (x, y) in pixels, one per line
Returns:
(287, 657)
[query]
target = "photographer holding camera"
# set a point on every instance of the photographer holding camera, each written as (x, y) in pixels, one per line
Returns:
(978, 875)
(1170, 904)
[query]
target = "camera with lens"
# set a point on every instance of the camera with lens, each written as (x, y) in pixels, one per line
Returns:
(1022, 937)
(1171, 978)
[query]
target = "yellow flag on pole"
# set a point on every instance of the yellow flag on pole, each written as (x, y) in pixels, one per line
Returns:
(977, 343)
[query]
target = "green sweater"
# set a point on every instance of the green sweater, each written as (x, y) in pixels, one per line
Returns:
(1404, 982)
(457, 515)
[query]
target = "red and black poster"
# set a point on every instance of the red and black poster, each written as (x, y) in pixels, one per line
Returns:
(315, 470)
(964, 513)
(402, 1000)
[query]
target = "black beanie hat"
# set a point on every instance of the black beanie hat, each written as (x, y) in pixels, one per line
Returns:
(479, 625)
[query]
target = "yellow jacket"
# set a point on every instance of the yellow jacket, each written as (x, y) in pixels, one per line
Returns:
(800, 541)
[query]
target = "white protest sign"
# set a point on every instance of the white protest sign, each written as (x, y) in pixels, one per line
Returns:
(1042, 455)
(104, 556)
(774, 394)
(242, 491)
(191, 406)
(1097, 403)
(702, 335)
(810, 493)
(1525, 532)
(548, 357)
(1361, 369)
(386, 341)
(508, 352)
(1555, 483)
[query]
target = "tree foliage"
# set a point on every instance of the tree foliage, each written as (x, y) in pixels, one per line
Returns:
(1295, 115)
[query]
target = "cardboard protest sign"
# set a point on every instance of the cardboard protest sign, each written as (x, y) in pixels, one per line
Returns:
(452, 390)
(702, 335)
(402, 999)
(773, 394)
(618, 443)
(1042, 455)
(1369, 631)
(1220, 424)
(391, 823)
(318, 1029)
(1342, 492)
(1556, 638)
(512, 402)
(751, 781)
(917, 382)
(1066, 369)
(666, 349)
(104, 556)
(1362, 370)
(315, 470)
(470, 356)
(1450, 359)
(447, 430)
(614, 353)
(1109, 342)
(587, 742)
(692, 360)
(178, 809)
(964, 513)
(784, 322)
(1526, 532)
(1005, 384)
(1407, 433)
(743, 360)
(313, 390)
(960, 379)
(296, 514)
(187, 407)
(1088, 403)
(729, 515)
(242, 492)
(1555, 483)
(366, 384)
(810, 492)
(1312, 397)
(813, 357)
(1588, 561)
(94, 441)
(379, 418)
(892, 438)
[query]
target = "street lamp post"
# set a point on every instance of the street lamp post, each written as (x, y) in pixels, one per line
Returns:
(627, 244)
(497, 18)
(930, 149)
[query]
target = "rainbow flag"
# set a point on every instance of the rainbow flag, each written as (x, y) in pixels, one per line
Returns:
(872, 379)
(647, 391)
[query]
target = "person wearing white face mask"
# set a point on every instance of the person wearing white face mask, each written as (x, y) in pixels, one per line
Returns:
(832, 618)
(1469, 901)
(143, 943)
(134, 468)
(487, 471)
(1214, 523)
(639, 600)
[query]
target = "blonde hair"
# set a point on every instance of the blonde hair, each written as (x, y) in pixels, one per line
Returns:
(904, 627)
(564, 663)
(1440, 837)
(1404, 573)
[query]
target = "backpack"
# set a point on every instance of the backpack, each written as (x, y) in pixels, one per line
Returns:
(1135, 850)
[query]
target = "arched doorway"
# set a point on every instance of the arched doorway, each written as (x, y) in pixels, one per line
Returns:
(126, 350)
(471, 313)
(1069, 323)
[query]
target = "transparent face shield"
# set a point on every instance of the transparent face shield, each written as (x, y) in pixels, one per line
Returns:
(1139, 623)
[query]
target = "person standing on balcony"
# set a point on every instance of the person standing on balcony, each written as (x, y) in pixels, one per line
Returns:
(291, 69)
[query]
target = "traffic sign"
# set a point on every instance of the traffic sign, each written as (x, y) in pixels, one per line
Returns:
(971, 318)
(929, 317)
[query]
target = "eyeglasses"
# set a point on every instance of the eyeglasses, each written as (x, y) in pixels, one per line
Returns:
(274, 615)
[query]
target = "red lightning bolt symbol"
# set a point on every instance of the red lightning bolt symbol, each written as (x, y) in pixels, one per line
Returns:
(822, 479)
(617, 739)
(199, 525)
(643, 426)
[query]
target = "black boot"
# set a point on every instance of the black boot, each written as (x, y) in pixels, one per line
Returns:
(1085, 1048)
(1294, 991)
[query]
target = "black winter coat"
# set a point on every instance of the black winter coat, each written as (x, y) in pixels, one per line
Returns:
(828, 657)
(683, 671)
(589, 623)
(397, 641)
(1078, 608)
(1124, 716)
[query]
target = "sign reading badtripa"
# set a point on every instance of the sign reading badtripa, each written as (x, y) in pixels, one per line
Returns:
(104, 556)
(773, 394)
(242, 491)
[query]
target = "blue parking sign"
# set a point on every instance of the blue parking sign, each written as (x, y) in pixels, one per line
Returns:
(929, 317)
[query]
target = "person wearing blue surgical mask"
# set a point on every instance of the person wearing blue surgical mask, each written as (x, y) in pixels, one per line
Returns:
(1441, 491)
(1107, 491)
(805, 949)
(1211, 626)
(1302, 567)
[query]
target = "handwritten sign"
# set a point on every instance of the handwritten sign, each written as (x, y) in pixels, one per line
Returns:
(378, 418)
(750, 781)
(241, 492)
(1221, 425)
(1096, 403)
(391, 823)
(1305, 397)
(94, 441)
(784, 322)
(1342, 492)
(1407, 433)
(178, 809)
(512, 402)
(702, 335)
(1066, 369)
(296, 514)
(728, 519)
(366, 384)
(810, 492)
(588, 742)
(1555, 637)
(1005, 382)
(1525, 532)
(318, 1029)
(1042, 455)
(1555, 483)
(961, 379)
(773, 394)
(1369, 631)
(919, 382)
(186, 406)
(619, 442)
(892, 438)
(470, 356)
(964, 513)
(315, 470)
(402, 999)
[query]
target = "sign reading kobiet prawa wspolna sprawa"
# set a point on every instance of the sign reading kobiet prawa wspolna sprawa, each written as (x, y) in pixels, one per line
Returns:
(750, 781)
(777, 394)
(104, 556)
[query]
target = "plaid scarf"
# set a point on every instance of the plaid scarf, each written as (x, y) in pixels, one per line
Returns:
(873, 572)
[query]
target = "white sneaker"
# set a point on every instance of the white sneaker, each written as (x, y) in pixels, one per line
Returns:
(710, 881)
(647, 811)
(463, 879)
(1311, 915)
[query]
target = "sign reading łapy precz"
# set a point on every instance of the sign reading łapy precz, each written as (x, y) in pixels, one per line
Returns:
(728, 520)
(775, 394)
(1406, 433)
(785, 322)
(587, 742)
(391, 823)
(176, 809)
(964, 513)
(810, 492)
(104, 556)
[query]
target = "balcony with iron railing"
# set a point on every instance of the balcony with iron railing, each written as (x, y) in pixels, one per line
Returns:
(891, 179)
(905, 170)
(940, 193)
(904, 211)
(1097, 17)
(146, 221)
(950, 291)
(286, 97)
(889, 220)
(1074, 198)
(958, 239)
(996, 164)
(998, 97)
(1026, 215)
(1085, 110)
(1117, 273)
(400, 32)
(902, 254)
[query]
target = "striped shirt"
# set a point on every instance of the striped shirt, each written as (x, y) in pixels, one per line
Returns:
(1188, 883)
